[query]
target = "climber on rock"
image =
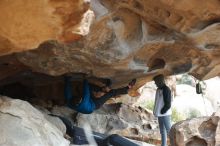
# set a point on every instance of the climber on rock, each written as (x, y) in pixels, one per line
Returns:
(93, 96)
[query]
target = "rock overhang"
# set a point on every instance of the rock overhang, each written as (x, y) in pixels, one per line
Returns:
(120, 40)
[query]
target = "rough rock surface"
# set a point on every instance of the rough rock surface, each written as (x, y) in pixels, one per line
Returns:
(126, 39)
(202, 131)
(132, 122)
(26, 23)
(57, 122)
(22, 124)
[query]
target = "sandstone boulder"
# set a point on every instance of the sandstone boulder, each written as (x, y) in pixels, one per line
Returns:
(125, 40)
(132, 122)
(23, 125)
(26, 23)
(202, 131)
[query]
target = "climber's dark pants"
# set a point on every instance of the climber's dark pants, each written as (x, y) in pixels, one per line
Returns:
(116, 140)
(78, 136)
(112, 93)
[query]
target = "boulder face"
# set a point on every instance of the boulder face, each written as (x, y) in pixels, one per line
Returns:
(22, 124)
(198, 131)
(26, 24)
(126, 39)
(129, 121)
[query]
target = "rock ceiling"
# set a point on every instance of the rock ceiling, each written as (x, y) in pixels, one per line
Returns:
(118, 39)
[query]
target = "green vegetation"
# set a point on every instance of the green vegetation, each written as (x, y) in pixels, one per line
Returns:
(185, 79)
(176, 116)
(193, 113)
(189, 114)
(148, 105)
